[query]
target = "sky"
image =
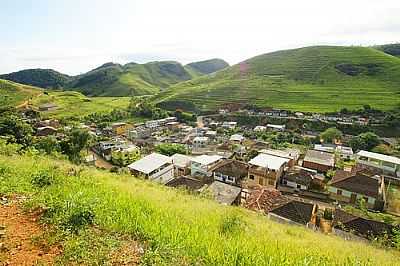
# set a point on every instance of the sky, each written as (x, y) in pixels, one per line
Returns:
(74, 36)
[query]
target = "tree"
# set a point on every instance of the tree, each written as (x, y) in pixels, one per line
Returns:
(364, 141)
(15, 130)
(331, 135)
(383, 148)
(74, 143)
(171, 148)
(48, 144)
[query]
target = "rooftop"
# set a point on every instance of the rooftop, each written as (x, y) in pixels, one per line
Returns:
(296, 211)
(268, 161)
(320, 157)
(186, 182)
(206, 159)
(380, 157)
(232, 168)
(150, 163)
(359, 182)
(236, 137)
(181, 160)
(224, 193)
(288, 153)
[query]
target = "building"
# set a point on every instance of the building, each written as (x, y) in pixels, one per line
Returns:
(298, 179)
(200, 142)
(319, 160)
(383, 163)
(344, 152)
(276, 127)
(260, 128)
(292, 154)
(139, 133)
(211, 134)
(295, 211)
(351, 187)
(266, 170)
(46, 131)
(186, 183)
(231, 172)
(156, 167)
(229, 125)
(224, 194)
(124, 154)
(181, 164)
(325, 147)
(202, 165)
(359, 226)
(236, 139)
(120, 128)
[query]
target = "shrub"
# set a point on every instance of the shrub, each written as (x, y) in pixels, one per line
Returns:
(328, 214)
(42, 178)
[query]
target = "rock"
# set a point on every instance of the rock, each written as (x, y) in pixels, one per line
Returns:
(2, 247)
(2, 227)
(2, 233)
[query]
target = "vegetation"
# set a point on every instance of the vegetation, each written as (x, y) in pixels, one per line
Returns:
(89, 209)
(207, 66)
(170, 149)
(43, 78)
(364, 141)
(331, 135)
(311, 79)
(392, 49)
(13, 94)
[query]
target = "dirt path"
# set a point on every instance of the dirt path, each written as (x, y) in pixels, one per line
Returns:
(20, 245)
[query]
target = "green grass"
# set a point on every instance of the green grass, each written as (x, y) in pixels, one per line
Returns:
(74, 104)
(13, 94)
(176, 228)
(305, 79)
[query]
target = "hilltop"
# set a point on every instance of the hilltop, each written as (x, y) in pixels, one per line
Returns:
(13, 94)
(44, 78)
(112, 79)
(207, 67)
(106, 210)
(318, 78)
(392, 49)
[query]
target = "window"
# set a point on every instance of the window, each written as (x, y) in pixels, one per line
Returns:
(251, 177)
(339, 192)
(260, 181)
(298, 186)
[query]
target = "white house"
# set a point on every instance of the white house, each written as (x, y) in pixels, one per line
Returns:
(200, 142)
(236, 138)
(230, 125)
(181, 164)
(156, 167)
(276, 127)
(385, 163)
(260, 128)
(202, 165)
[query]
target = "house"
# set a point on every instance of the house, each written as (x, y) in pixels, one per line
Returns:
(90, 160)
(185, 182)
(344, 152)
(48, 107)
(318, 160)
(181, 164)
(260, 128)
(155, 167)
(211, 134)
(295, 211)
(46, 131)
(360, 226)
(231, 172)
(325, 147)
(173, 125)
(292, 154)
(224, 194)
(123, 154)
(120, 128)
(298, 179)
(229, 125)
(200, 142)
(202, 165)
(276, 127)
(383, 163)
(351, 187)
(236, 139)
(266, 170)
(139, 133)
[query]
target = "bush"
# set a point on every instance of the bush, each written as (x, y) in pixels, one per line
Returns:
(79, 219)
(42, 179)
(328, 214)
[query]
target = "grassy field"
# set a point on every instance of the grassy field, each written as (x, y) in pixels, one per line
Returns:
(13, 94)
(175, 228)
(320, 79)
(74, 104)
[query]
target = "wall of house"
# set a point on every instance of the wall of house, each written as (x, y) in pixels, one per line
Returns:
(269, 179)
(164, 175)
(294, 185)
(316, 166)
(346, 196)
(224, 178)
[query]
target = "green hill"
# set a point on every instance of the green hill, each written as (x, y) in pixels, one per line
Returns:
(319, 78)
(92, 213)
(207, 66)
(44, 78)
(13, 94)
(130, 79)
(392, 49)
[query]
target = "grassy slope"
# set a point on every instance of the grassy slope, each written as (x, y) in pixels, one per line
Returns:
(304, 79)
(75, 104)
(178, 228)
(44, 78)
(13, 94)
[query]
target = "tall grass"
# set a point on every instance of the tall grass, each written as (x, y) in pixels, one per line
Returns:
(175, 227)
